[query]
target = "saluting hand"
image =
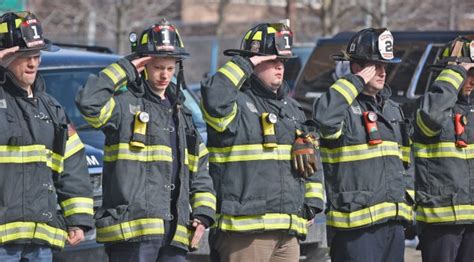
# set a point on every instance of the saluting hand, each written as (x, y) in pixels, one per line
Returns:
(199, 229)
(259, 59)
(140, 63)
(8, 51)
(367, 73)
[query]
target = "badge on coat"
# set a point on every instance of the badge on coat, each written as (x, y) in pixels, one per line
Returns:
(134, 108)
(356, 110)
(3, 103)
(252, 107)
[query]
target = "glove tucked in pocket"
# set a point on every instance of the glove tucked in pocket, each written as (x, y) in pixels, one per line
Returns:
(304, 155)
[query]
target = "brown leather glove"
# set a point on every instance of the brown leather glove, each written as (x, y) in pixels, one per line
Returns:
(304, 155)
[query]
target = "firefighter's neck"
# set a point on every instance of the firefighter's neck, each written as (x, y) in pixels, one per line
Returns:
(370, 91)
(160, 93)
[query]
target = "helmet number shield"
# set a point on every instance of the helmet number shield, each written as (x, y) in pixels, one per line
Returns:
(385, 45)
(32, 33)
(283, 42)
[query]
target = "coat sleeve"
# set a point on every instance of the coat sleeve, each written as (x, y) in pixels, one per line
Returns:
(329, 109)
(73, 185)
(439, 100)
(96, 100)
(203, 196)
(219, 93)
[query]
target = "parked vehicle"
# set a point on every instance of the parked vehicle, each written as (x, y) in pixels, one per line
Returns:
(408, 79)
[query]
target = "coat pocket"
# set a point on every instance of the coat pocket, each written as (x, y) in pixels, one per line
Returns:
(111, 216)
(352, 200)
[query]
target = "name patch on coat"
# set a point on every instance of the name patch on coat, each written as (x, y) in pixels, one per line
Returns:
(134, 108)
(356, 110)
(252, 107)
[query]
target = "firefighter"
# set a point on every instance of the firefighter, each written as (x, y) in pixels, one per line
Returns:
(42, 159)
(255, 133)
(364, 138)
(444, 178)
(155, 163)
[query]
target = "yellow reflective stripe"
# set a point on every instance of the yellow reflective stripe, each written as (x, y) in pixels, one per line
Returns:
(104, 116)
(450, 76)
(256, 36)
(405, 153)
(411, 193)
(116, 73)
(219, 124)
(30, 230)
(73, 145)
(18, 22)
(314, 190)
(3, 28)
(125, 151)
(272, 221)
(248, 153)
(359, 152)
(193, 161)
(443, 149)
(31, 154)
(203, 199)
(445, 214)
(369, 215)
(233, 72)
(182, 235)
(130, 229)
(423, 127)
(77, 205)
(346, 89)
(271, 30)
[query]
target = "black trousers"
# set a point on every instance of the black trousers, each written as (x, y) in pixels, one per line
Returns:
(379, 243)
(447, 243)
(158, 250)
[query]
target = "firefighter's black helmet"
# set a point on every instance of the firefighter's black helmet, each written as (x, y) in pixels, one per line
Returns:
(24, 30)
(370, 45)
(459, 50)
(265, 39)
(160, 40)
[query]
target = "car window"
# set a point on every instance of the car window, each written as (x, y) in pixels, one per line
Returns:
(63, 84)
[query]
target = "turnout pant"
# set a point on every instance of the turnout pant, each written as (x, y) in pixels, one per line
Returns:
(447, 243)
(379, 243)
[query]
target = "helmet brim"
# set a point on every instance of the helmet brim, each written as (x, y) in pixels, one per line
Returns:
(48, 47)
(345, 57)
(182, 55)
(246, 53)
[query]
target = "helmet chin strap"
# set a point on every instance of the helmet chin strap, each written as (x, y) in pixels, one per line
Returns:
(180, 82)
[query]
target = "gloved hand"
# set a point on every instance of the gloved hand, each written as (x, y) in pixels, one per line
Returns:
(303, 154)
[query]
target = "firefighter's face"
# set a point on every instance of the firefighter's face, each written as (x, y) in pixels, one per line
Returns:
(378, 81)
(469, 83)
(270, 73)
(25, 68)
(160, 72)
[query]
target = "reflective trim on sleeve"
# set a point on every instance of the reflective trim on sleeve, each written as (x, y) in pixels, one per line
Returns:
(314, 190)
(423, 127)
(267, 222)
(450, 76)
(200, 199)
(406, 153)
(346, 89)
(130, 229)
(411, 193)
(18, 231)
(359, 152)
(182, 235)
(333, 136)
(124, 151)
(193, 161)
(369, 215)
(445, 214)
(248, 153)
(233, 72)
(443, 149)
(77, 205)
(104, 116)
(219, 124)
(116, 73)
(73, 145)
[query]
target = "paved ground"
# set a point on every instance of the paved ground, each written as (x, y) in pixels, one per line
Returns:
(412, 255)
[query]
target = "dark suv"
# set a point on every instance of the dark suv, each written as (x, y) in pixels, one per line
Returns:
(65, 73)
(408, 79)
